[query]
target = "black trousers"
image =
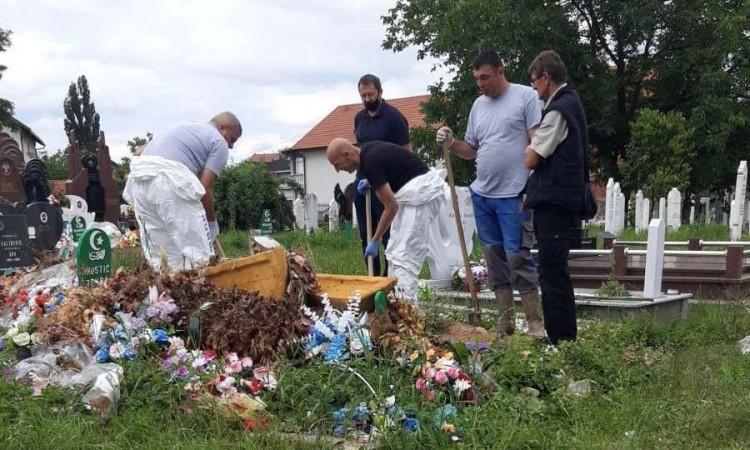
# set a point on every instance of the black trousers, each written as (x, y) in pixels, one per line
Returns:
(555, 227)
(377, 211)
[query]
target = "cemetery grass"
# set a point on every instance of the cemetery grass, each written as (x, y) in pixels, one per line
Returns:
(682, 386)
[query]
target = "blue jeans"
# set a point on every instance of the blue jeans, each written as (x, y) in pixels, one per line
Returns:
(506, 234)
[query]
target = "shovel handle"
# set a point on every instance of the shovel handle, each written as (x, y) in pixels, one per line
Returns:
(368, 219)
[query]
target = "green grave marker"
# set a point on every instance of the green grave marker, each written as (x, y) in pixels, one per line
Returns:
(94, 257)
(266, 227)
(78, 227)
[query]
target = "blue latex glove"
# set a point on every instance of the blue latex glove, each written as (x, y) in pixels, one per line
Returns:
(372, 248)
(363, 185)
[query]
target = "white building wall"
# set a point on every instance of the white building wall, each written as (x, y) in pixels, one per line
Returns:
(321, 177)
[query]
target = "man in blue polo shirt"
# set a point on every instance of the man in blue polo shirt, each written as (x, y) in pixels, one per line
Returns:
(378, 121)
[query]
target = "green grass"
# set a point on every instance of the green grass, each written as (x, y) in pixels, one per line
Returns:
(673, 387)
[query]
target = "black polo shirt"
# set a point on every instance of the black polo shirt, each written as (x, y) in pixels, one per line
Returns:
(383, 162)
(388, 124)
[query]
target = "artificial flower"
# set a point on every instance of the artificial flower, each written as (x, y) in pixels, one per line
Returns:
(22, 339)
(441, 377)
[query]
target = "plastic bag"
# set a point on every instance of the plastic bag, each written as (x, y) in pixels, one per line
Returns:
(60, 275)
(105, 392)
(113, 233)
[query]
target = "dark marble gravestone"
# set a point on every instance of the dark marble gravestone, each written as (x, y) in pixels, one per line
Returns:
(45, 225)
(11, 167)
(14, 242)
(35, 181)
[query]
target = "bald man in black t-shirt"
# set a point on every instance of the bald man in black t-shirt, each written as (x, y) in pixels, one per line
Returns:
(411, 195)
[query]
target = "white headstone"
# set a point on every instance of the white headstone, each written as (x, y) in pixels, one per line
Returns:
(654, 259)
(646, 217)
(298, 208)
(674, 206)
(747, 216)
(311, 212)
(620, 212)
(706, 202)
(638, 211)
(78, 204)
(333, 215)
(609, 207)
(737, 215)
(692, 214)
(663, 209)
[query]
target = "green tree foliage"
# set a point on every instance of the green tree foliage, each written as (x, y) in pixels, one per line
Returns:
(685, 55)
(120, 173)
(80, 115)
(662, 145)
(57, 165)
(6, 107)
(138, 141)
(243, 191)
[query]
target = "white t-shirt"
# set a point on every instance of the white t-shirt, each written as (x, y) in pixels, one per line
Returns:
(498, 129)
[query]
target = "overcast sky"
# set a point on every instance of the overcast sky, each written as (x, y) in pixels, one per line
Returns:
(280, 65)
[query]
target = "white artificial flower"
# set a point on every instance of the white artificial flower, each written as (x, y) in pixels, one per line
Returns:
(461, 385)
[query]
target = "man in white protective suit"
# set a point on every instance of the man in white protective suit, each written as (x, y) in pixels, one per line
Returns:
(170, 187)
(411, 195)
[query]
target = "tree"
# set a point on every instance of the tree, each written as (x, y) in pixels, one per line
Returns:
(80, 115)
(6, 107)
(138, 141)
(120, 173)
(57, 165)
(621, 55)
(662, 146)
(243, 191)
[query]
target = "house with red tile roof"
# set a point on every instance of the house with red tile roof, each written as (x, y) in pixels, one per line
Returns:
(311, 169)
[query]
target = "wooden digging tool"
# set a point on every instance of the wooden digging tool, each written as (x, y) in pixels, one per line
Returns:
(475, 317)
(218, 250)
(368, 215)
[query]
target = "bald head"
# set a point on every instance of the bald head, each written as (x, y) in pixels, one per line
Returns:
(343, 155)
(229, 126)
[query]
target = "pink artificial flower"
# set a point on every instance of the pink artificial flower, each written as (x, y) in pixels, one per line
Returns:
(232, 357)
(266, 376)
(182, 372)
(234, 367)
(441, 377)
(430, 395)
(247, 362)
(421, 385)
(428, 373)
(453, 372)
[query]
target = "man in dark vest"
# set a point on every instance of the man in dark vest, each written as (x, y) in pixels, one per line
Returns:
(555, 188)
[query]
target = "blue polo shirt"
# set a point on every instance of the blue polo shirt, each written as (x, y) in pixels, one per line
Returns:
(388, 124)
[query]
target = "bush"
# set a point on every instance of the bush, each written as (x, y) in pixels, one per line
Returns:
(241, 194)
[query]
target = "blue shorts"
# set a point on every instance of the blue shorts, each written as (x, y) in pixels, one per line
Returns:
(499, 221)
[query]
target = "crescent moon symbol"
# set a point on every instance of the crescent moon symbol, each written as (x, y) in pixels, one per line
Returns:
(92, 243)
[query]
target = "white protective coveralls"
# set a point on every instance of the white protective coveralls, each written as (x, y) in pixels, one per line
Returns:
(419, 202)
(166, 197)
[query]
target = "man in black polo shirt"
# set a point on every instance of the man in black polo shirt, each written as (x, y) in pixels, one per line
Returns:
(411, 195)
(378, 121)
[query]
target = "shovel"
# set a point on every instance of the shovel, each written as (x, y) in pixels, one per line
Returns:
(475, 317)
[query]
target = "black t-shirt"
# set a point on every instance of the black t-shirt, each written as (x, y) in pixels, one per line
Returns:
(382, 162)
(388, 124)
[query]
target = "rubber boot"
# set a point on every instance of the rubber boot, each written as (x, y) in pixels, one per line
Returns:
(532, 309)
(506, 318)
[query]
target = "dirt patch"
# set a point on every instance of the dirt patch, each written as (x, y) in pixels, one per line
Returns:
(463, 332)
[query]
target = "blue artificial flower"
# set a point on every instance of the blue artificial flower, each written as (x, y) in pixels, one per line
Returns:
(340, 414)
(121, 334)
(338, 431)
(411, 424)
(336, 348)
(102, 355)
(59, 298)
(160, 337)
(129, 354)
(362, 410)
(50, 309)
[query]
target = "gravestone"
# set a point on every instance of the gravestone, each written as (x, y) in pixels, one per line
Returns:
(93, 257)
(266, 226)
(692, 214)
(638, 211)
(646, 217)
(654, 259)
(718, 212)
(674, 209)
(11, 168)
(663, 209)
(609, 207)
(93, 167)
(45, 225)
(77, 227)
(78, 204)
(333, 215)
(737, 215)
(298, 208)
(311, 212)
(10, 210)
(620, 212)
(14, 242)
(706, 202)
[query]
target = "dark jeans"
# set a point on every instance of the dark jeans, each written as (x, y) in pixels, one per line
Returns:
(377, 211)
(555, 227)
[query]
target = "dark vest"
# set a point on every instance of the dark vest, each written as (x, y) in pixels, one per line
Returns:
(559, 179)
